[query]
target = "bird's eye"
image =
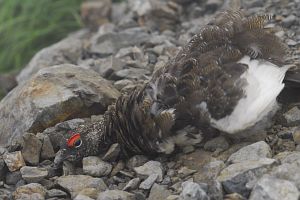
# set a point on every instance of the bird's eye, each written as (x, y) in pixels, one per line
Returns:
(74, 141)
(77, 143)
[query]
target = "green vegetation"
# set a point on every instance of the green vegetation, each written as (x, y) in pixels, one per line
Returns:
(26, 26)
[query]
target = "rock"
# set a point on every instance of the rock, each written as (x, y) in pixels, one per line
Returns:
(87, 193)
(193, 191)
(75, 183)
(292, 116)
(3, 169)
(112, 153)
(109, 43)
(296, 135)
(136, 161)
(122, 83)
(132, 73)
(291, 158)
(116, 195)
(241, 177)
(56, 193)
(5, 194)
(33, 174)
(173, 197)
(150, 168)
(210, 171)
(132, 184)
(289, 21)
(147, 184)
(31, 148)
(219, 143)
(251, 152)
(183, 172)
(47, 151)
(30, 191)
(269, 188)
(213, 5)
(13, 177)
(288, 171)
(95, 13)
(53, 95)
(94, 166)
(82, 197)
(158, 192)
(66, 51)
(291, 42)
(14, 160)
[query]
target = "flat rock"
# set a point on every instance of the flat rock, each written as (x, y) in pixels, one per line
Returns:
(47, 151)
(296, 135)
(251, 152)
(292, 116)
(132, 184)
(219, 143)
(94, 166)
(33, 174)
(30, 191)
(269, 188)
(193, 191)
(56, 193)
(291, 158)
(116, 195)
(288, 171)
(210, 171)
(53, 95)
(150, 168)
(147, 184)
(67, 50)
(12, 178)
(14, 160)
(159, 192)
(241, 177)
(31, 148)
(75, 183)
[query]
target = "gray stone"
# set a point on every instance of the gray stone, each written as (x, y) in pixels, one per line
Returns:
(33, 191)
(53, 95)
(5, 194)
(82, 197)
(14, 161)
(288, 171)
(296, 135)
(291, 158)
(210, 171)
(269, 188)
(292, 116)
(113, 153)
(94, 166)
(66, 51)
(132, 73)
(251, 152)
(219, 143)
(147, 184)
(56, 193)
(120, 84)
(47, 151)
(13, 177)
(75, 183)
(3, 169)
(136, 161)
(183, 172)
(110, 43)
(116, 195)
(31, 148)
(289, 21)
(158, 192)
(132, 184)
(150, 168)
(33, 174)
(193, 191)
(241, 177)
(213, 5)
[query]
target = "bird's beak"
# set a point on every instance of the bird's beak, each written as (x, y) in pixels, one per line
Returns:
(59, 158)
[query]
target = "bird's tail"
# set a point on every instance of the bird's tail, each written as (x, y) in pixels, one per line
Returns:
(291, 91)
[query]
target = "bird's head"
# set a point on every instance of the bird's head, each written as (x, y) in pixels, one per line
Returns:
(72, 149)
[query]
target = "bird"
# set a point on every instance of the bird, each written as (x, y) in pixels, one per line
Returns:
(227, 77)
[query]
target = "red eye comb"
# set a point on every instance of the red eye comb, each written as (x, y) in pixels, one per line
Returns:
(73, 139)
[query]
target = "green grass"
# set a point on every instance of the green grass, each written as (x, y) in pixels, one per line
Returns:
(26, 26)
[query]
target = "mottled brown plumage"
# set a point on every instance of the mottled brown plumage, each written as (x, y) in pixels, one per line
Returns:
(205, 73)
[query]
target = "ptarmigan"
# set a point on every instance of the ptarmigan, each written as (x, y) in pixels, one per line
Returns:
(227, 77)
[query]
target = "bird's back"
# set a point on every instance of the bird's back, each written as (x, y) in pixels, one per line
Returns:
(221, 78)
